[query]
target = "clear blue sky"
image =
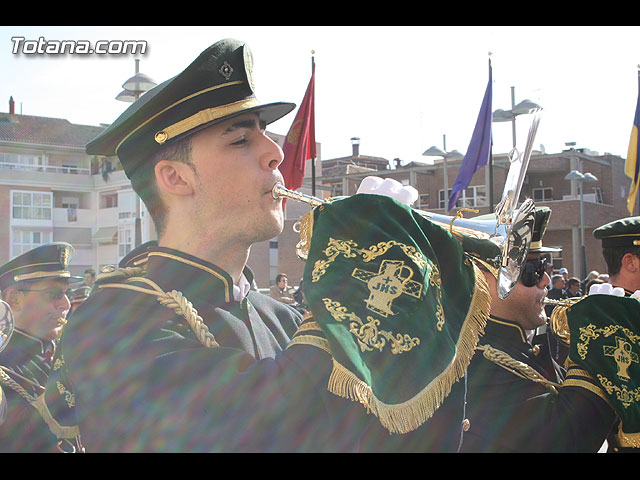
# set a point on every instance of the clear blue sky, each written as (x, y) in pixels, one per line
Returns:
(399, 89)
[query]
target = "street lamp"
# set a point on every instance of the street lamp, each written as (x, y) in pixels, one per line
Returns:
(580, 178)
(133, 88)
(523, 108)
(436, 152)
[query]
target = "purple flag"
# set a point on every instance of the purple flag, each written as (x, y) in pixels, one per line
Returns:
(478, 152)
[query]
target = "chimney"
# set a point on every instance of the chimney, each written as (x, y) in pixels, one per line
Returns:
(355, 143)
(12, 106)
(398, 162)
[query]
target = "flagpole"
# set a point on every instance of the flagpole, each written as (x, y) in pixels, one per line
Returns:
(636, 159)
(490, 162)
(313, 160)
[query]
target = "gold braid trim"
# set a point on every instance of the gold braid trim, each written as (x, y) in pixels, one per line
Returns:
(311, 325)
(516, 367)
(15, 386)
(57, 429)
(407, 416)
(575, 382)
(61, 432)
(628, 439)
(312, 340)
(176, 301)
(116, 272)
(574, 372)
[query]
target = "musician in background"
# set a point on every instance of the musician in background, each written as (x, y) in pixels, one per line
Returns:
(519, 399)
(621, 251)
(34, 286)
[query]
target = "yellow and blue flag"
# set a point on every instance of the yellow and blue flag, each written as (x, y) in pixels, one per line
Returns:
(632, 164)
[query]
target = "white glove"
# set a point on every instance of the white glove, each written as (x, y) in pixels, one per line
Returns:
(391, 188)
(606, 289)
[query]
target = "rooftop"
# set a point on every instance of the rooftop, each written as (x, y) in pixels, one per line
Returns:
(34, 130)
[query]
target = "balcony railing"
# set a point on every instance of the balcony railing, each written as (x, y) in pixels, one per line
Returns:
(46, 168)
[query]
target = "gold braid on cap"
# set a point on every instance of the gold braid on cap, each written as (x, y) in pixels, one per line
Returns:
(215, 87)
(202, 117)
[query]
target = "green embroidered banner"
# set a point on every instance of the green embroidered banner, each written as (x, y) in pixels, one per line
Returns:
(399, 302)
(605, 342)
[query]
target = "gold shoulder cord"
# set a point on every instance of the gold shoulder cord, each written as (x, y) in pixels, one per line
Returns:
(174, 300)
(64, 434)
(15, 386)
(516, 367)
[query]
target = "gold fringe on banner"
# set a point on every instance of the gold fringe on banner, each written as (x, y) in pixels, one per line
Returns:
(407, 416)
(628, 439)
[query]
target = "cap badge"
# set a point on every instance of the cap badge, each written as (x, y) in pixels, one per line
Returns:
(226, 70)
(64, 257)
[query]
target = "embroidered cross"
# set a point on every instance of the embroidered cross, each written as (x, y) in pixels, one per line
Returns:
(622, 355)
(386, 285)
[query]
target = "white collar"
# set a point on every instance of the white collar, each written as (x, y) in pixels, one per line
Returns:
(240, 291)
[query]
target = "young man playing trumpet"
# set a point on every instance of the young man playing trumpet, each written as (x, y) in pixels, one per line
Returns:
(621, 251)
(184, 356)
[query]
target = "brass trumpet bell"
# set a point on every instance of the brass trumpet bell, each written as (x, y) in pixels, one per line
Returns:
(6, 324)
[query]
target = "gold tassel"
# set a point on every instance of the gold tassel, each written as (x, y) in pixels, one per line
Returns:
(411, 414)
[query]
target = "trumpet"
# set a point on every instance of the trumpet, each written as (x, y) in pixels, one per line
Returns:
(561, 302)
(557, 322)
(511, 230)
(6, 324)
(279, 191)
(513, 237)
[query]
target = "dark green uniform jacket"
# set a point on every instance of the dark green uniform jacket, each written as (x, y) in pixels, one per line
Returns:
(508, 413)
(143, 381)
(27, 361)
(612, 439)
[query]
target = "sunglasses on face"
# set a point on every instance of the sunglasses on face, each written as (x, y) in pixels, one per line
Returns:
(534, 270)
(51, 293)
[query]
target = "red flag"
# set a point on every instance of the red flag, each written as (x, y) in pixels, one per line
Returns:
(300, 143)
